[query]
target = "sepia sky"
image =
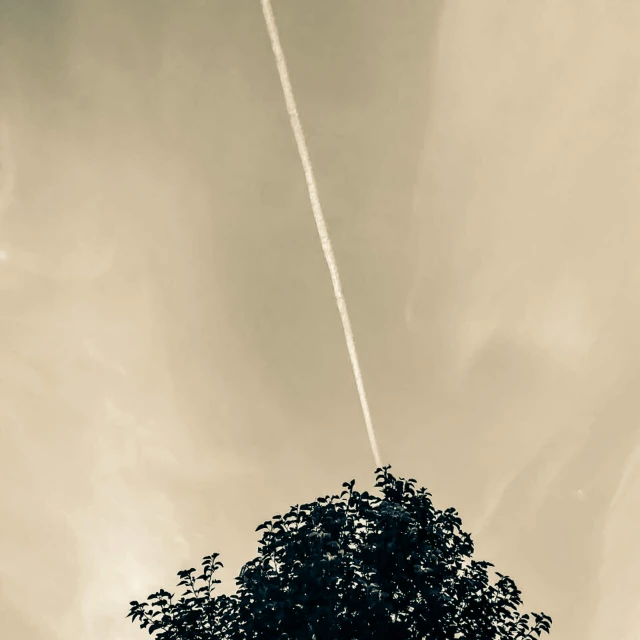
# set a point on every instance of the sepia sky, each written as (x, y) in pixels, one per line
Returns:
(172, 365)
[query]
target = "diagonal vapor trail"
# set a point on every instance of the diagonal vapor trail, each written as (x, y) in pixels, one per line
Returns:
(323, 232)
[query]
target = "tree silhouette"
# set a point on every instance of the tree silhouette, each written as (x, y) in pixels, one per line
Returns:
(353, 566)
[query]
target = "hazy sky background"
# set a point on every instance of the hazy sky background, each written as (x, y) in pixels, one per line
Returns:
(172, 366)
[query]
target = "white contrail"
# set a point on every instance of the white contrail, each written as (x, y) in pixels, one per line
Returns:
(327, 249)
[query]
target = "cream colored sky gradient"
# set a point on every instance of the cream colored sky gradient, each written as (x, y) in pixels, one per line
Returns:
(172, 367)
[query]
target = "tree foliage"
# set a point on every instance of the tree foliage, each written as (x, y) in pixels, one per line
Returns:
(352, 566)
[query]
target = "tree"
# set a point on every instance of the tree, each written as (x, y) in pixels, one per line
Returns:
(353, 566)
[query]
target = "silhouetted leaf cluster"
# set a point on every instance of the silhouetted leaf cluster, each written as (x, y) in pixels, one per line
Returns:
(352, 566)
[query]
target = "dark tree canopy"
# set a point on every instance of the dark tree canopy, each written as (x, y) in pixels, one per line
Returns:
(353, 566)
